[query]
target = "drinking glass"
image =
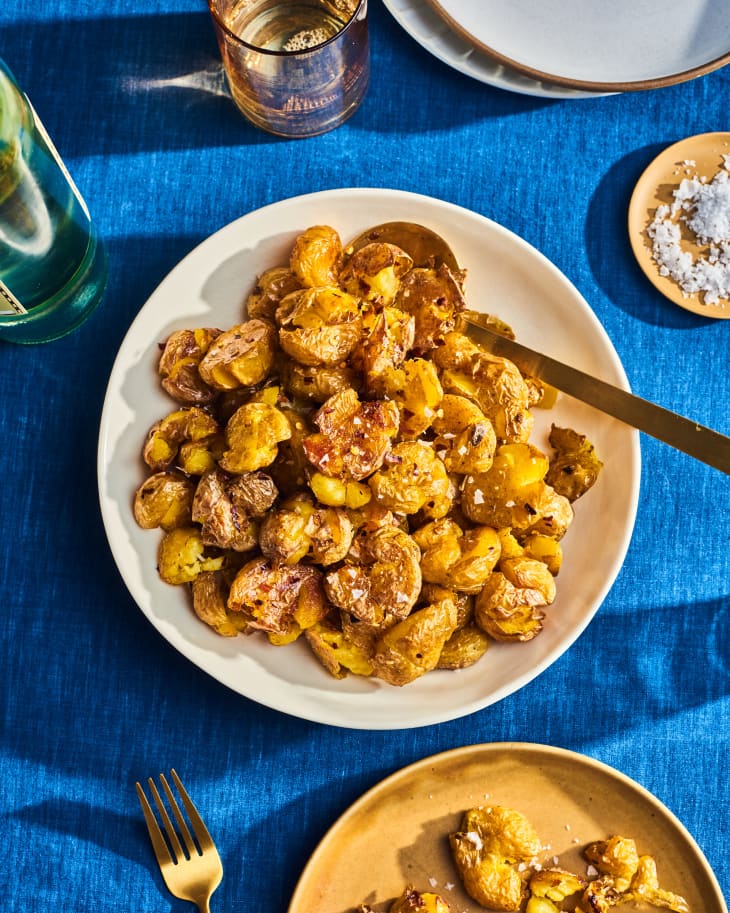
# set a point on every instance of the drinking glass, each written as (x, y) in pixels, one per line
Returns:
(53, 265)
(295, 68)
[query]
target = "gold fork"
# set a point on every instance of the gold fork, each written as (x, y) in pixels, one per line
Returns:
(192, 873)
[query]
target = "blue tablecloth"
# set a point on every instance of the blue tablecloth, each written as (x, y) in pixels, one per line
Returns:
(92, 697)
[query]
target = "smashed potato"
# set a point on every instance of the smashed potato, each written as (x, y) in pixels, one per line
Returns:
(574, 468)
(624, 876)
(413, 901)
(240, 357)
(486, 849)
(164, 500)
(179, 365)
(345, 467)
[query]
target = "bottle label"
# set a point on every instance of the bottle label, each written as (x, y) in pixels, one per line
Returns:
(9, 304)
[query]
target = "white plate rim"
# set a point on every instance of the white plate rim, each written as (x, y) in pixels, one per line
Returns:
(435, 36)
(403, 708)
(588, 85)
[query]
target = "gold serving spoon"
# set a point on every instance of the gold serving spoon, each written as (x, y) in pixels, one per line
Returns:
(427, 248)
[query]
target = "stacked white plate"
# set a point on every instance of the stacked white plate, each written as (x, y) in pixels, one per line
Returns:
(572, 48)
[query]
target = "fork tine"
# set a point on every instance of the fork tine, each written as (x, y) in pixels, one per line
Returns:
(167, 823)
(158, 841)
(182, 823)
(199, 828)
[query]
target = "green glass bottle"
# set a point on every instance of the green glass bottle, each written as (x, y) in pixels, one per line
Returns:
(53, 265)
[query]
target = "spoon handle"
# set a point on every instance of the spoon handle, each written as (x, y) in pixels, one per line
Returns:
(702, 443)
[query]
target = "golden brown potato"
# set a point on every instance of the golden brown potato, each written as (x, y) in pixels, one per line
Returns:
(433, 592)
(435, 299)
(291, 468)
(465, 440)
(319, 326)
(382, 577)
(337, 653)
(166, 436)
(645, 888)
(412, 647)
(164, 500)
(300, 529)
(179, 364)
(412, 478)
(617, 857)
(490, 843)
(252, 435)
(374, 272)
(413, 901)
(416, 389)
(550, 887)
(210, 591)
(465, 646)
(384, 347)
(453, 558)
(493, 383)
(226, 508)
(183, 555)
(279, 600)
(575, 467)
(509, 607)
(317, 383)
(240, 357)
(271, 287)
(353, 437)
(512, 494)
(316, 257)
(252, 493)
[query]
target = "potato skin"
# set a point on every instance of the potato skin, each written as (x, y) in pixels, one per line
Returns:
(278, 599)
(435, 299)
(465, 647)
(240, 357)
(271, 287)
(354, 437)
(486, 846)
(575, 467)
(510, 605)
(252, 434)
(179, 366)
(164, 500)
(412, 647)
(316, 257)
(457, 560)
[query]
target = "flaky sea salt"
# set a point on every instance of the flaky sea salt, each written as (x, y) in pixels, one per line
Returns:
(703, 208)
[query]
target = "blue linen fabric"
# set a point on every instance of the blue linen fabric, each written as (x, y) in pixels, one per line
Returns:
(92, 697)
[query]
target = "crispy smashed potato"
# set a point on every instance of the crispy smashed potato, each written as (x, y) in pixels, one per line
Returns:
(240, 357)
(164, 500)
(486, 848)
(180, 365)
(497, 854)
(345, 467)
(574, 468)
(624, 877)
(413, 901)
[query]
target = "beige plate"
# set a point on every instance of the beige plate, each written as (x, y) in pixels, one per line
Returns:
(397, 832)
(655, 186)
